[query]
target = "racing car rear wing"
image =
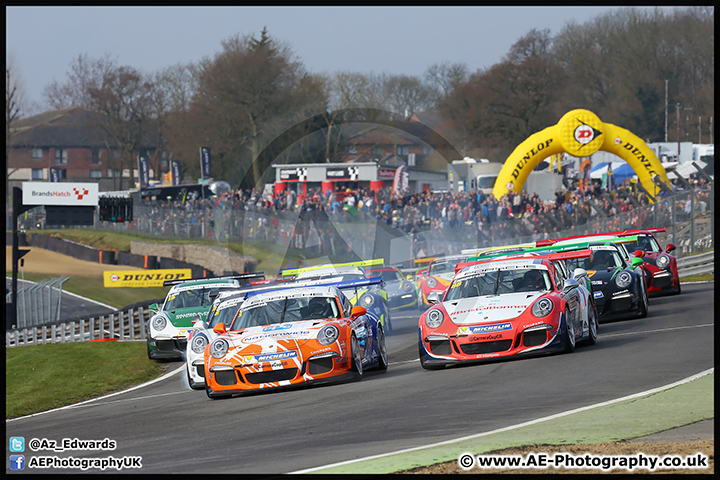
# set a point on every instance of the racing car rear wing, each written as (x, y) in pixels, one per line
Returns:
(286, 272)
(561, 252)
(346, 285)
(242, 276)
(424, 260)
(625, 233)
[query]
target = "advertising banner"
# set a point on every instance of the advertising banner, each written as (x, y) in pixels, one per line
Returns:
(60, 193)
(205, 163)
(143, 170)
(175, 172)
(144, 278)
(54, 174)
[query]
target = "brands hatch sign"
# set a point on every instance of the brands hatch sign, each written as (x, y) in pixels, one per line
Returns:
(66, 194)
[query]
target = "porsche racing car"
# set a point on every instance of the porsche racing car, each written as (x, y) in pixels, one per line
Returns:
(618, 285)
(186, 301)
(401, 292)
(507, 307)
(438, 276)
(223, 310)
(661, 265)
(294, 336)
(373, 298)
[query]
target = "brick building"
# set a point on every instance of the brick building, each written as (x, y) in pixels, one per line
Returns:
(73, 142)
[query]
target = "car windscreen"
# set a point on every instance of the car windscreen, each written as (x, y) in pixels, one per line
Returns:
(601, 260)
(198, 297)
(499, 282)
(224, 312)
(438, 268)
(646, 243)
(387, 275)
(288, 309)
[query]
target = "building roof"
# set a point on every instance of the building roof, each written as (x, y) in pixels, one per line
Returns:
(64, 128)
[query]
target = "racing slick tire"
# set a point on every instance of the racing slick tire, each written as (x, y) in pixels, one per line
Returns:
(643, 303)
(149, 352)
(382, 351)
(193, 385)
(423, 364)
(568, 333)
(387, 322)
(356, 366)
(593, 324)
(678, 290)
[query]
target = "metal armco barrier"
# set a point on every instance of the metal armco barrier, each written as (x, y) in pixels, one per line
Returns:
(127, 325)
(703, 263)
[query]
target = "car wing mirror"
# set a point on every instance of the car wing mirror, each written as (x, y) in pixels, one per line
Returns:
(670, 248)
(219, 328)
(636, 262)
(570, 284)
(200, 325)
(579, 272)
(434, 297)
(357, 311)
(639, 253)
(154, 307)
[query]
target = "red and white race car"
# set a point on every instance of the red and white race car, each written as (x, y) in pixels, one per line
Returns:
(662, 266)
(514, 306)
(437, 277)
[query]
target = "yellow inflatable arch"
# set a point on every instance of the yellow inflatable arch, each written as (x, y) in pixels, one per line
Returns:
(579, 133)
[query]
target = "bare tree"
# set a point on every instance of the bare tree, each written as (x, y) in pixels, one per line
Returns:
(443, 78)
(124, 99)
(84, 74)
(14, 106)
(247, 95)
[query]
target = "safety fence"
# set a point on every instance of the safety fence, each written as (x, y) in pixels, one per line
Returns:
(701, 264)
(42, 300)
(123, 325)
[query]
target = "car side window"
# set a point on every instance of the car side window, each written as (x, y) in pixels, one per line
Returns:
(559, 275)
(347, 306)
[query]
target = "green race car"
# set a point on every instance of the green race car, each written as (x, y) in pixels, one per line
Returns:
(187, 301)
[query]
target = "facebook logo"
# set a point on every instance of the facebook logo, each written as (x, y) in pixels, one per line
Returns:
(17, 462)
(17, 444)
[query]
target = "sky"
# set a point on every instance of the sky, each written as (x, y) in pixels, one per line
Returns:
(42, 41)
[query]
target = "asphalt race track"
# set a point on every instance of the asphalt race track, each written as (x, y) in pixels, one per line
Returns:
(178, 430)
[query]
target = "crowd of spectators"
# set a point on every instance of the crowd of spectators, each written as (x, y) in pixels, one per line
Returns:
(467, 218)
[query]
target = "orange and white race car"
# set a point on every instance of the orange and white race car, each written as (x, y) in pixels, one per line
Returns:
(293, 336)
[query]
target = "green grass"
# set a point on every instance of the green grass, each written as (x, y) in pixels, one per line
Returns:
(43, 377)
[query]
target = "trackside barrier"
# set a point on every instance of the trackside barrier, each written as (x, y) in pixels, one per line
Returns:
(703, 263)
(123, 325)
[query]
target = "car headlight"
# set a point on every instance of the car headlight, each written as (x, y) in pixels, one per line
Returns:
(328, 334)
(407, 286)
(662, 261)
(431, 283)
(623, 279)
(367, 301)
(434, 318)
(159, 322)
(219, 348)
(542, 307)
(198, 343)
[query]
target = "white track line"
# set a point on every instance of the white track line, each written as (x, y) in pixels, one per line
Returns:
(514, 427)
(75, 405)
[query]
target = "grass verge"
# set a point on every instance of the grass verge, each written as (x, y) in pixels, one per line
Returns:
(43, 377)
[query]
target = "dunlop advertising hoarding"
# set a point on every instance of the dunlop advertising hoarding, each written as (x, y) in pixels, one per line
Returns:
(145, 278)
